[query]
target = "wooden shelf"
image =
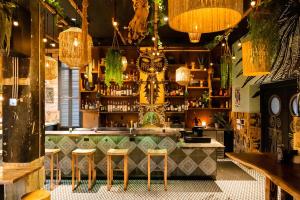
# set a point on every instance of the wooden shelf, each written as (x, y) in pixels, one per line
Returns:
(220, 97)
(199, 70)
(119, 112)
(198, 88)
(209, 109)
(174, 97)
(119, 97)
(124, 81)
(172, 112)
(84, 91)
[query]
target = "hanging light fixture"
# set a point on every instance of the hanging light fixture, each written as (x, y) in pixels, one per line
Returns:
(51, 68)
(204, 16)
(183, 75)
(254, 61)
(194, 37)
(71, 49)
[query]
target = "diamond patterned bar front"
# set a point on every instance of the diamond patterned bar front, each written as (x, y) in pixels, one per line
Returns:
(182, 162)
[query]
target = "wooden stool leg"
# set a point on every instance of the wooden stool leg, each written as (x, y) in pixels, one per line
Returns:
(51, 171)
(111, 171)
(73, 172)
(166, 171)
(93, 170)
(149, 172)
(270, 190)
(108, 172)
(125, 172)
(89, 172)
(59, 171)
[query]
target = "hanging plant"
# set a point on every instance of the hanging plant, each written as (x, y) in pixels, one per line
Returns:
(226, 71)
(264, 28)
(113, 67)
(6, 11)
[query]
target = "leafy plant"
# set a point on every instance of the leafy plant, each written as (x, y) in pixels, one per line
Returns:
(56, 5)
(113, 67)
(150, 118)
(264, 29)
(220, 118)
(6, 12)
(205, 98)
(226, 72)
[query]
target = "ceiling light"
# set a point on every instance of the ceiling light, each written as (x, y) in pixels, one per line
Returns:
(45, 40)
(73, 19)
(16, 23)
(52, 44)
(166, 18)
(153, 38)
(253, 3)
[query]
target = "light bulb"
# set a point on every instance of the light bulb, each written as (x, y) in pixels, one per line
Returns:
(233, 57)
(1, 97)
(115, 23)
(211, 64)
(239, 44)
(223, 44)
(153, 38)
(76, 42)
(73, 19)
(16, 23)
(53, 44)
(157, 53)
(253, 3)
(47, 64)
(45, 40)
(166, 18)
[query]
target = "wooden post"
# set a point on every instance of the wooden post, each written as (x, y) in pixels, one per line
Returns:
(270, 190)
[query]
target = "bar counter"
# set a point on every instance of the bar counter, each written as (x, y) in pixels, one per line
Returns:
(184, 160)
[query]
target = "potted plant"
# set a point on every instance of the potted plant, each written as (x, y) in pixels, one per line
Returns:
(113, 67)
(223, 122)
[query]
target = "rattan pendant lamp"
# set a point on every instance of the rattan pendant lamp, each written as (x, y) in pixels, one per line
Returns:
(204, 16)
(75, 44)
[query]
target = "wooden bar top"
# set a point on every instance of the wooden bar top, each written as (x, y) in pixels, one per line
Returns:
(11, 175)
(285, 176)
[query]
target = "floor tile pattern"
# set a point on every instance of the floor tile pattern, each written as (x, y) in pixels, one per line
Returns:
(252, 189)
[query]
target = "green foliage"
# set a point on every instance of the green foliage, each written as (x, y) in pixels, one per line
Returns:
(150, 118)
(264, 28)
(212, 44)
(113, 67)
(221, 119)
(205, 98)
(6, 12)
(226, 72)
(56, 5)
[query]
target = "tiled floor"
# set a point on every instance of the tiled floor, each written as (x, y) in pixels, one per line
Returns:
(224, 188)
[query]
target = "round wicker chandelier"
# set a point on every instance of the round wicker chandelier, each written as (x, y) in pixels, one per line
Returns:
(203, 16)
(51, 68)
(71, 48)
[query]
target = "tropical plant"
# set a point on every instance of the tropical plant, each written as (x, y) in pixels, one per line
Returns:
(263, 28)
(150, 118)
(226, 71)
(56, 5)
(220, 118)
(113, 67)
(6, 12)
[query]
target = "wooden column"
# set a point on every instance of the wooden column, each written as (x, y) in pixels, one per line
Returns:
(271, 190)
(23, 125)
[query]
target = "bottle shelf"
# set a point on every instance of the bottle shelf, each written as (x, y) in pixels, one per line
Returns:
(119, 112)
(173, 112)
(119, 97)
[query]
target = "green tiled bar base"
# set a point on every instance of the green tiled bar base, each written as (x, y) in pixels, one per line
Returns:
(182, 162)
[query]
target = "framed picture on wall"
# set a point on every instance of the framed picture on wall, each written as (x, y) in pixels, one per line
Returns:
(237, 97)
(49, 95)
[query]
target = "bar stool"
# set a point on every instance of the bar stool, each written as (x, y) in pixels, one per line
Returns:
(75, 169)
(116, 152)
(37, 195)
(158, 152)
(51, 153)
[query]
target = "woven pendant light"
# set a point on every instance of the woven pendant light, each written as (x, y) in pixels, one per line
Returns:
(194, 37)
(204, 16)
(183, 76)
(71, 50)
(51, 68)
(254, 61)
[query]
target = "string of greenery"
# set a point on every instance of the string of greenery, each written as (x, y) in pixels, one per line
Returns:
(264, 28)
(113, 67)
(56, 5)
(226, 71)
(6, 12)
(161, 16)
